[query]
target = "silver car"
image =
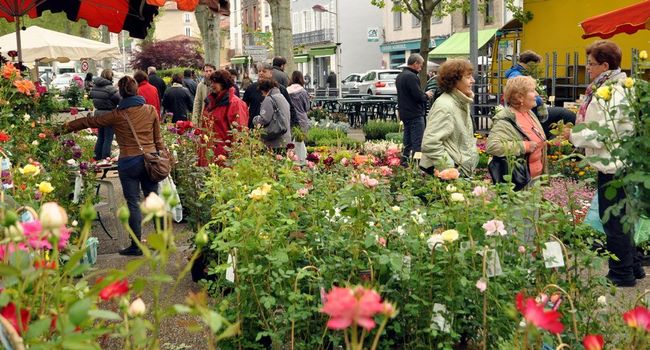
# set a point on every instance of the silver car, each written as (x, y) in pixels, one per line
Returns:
(379, 82)
(351, 81)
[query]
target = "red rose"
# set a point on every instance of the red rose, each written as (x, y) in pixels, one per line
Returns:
(4, 137)
(115, 289)
(74, 111)
(9, 313)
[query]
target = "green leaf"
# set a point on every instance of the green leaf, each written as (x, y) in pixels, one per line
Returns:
(215, 321)
(182, 309)
(161, 278)
(105, 315)
(231, 331)
(156, 241)
(38, 328)
(74, 261)
(79, 311)
(610, 192)
(8, 270)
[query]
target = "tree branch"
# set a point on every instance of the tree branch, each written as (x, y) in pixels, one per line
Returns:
(411, 9)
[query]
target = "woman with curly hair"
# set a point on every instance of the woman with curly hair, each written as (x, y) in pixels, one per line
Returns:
(448, 140)
(223, 112)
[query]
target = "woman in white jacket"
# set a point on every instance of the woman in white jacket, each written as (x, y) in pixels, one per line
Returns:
(605, 97)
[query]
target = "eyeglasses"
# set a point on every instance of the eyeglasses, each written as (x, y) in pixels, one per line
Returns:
(591, 64)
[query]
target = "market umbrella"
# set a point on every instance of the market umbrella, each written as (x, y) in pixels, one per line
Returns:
(628, 20)
(134, 16)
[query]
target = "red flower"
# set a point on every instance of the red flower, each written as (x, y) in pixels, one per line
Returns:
(4, 137)
(9, 313)
(535, 315)
(639, 317)
(115, 289)
(46, 265)
(347, 307)
(593, 342)
(74, 111)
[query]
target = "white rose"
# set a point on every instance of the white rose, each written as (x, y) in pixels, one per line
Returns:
(137, 308)
(395, 208)
(451, 188)
(434, 241)
(602, 300)
(457, 197)
(53, 216)
(153, 204)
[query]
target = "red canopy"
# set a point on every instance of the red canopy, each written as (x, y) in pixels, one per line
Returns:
(628, 20)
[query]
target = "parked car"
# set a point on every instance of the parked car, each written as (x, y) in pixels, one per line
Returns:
(351, 81)
(379, 82)
(62, 81)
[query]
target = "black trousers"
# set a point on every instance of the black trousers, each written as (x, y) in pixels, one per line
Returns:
(619, 242)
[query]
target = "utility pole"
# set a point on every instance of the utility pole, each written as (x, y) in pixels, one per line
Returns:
(473, 35)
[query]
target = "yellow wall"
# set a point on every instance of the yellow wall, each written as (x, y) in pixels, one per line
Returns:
(556, 27)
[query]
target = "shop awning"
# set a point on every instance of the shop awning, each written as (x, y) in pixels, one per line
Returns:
(322, 51)
(301, 58)
(239, 60)
(628, 20)
(458, 44)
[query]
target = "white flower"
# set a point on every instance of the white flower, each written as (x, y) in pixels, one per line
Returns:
(137, 308)
(451, 188)
(153, 204)
(417, 217)
(602, 300)
(71, 162)
(449, 236)
(27, 117)
(480, 191)
(481, 284)
(75, 223)
(35, 143)
(434, 241)
(53, 216)
(457, 197)
(395, 208)
(371, 223)
(400, 230)
(494, 228)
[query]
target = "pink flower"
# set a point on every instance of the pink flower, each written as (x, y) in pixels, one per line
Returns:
(494, 228)
(392, 152)
(638, 317)
(344, 161)
(394, 161)
(303, 192)
(311, 165)
(385, 171)
(481, 284)
(278, 157)
(37, 240)
(480, 191)
(522, 249)
(449, 174)
(368, 181)
(381, 241)
(347, 307)
(10, 248)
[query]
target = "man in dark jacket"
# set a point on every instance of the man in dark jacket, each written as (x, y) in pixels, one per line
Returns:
(105, 98)
(178, 100)
(279, 75)
(411, 104)
(189, 83)
(253, 97)
(156, 81)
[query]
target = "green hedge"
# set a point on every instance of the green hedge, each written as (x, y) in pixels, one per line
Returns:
(377, 130)
(316, 134)
(397, 137)
(171, 71)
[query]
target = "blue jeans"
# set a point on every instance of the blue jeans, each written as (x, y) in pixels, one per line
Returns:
(104, 143)
(133, 176)
(413, 132)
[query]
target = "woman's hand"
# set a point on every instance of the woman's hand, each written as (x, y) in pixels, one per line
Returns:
(531, 146)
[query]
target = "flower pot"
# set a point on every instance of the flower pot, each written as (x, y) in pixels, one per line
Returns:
(301, 151)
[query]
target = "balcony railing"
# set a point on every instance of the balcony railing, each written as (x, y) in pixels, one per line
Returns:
(314, 37)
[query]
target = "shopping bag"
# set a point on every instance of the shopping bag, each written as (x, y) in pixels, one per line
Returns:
(593, 217)
(177, 210)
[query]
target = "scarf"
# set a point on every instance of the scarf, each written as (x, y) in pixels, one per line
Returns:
(600, 80)
(215, 100)
(131, 101)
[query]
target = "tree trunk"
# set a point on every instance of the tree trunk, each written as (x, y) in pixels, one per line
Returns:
(106, 38)
(424, 46)
(282, 35)
(208, 22)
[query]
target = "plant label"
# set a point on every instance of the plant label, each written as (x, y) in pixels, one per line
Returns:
(406, 268)
(493, 263)
(438, 321)
(553, 256)
(417, 155)
(647, 297)
(230, 271)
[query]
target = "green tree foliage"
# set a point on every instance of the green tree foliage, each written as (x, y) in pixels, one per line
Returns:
(54, 21)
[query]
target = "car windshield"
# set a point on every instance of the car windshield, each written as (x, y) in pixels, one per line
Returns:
(388, 75)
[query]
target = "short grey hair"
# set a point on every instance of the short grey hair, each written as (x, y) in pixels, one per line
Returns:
(151, 69)
(264, 66)
(414, 58)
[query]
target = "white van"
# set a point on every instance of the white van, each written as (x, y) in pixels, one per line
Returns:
(62, 68)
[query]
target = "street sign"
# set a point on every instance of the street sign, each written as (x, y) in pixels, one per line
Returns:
(373, 34)
(257, 52)
(84, 66)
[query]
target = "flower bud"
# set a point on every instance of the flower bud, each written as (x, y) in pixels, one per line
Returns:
(123, 214)
(53, 216)
(153, 205)
(11, 218)
(137, 308)
(166, 192)
(88, 213)
(201, 239)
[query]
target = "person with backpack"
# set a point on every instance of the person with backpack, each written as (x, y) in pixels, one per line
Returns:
(274, 111)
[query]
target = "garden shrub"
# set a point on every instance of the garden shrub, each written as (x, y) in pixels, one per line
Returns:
(395, 137)
(377, 129)
(316, 134)
(318, 114)
(163, 73)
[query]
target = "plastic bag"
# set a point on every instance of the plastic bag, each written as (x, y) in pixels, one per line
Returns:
(593, 217)
(642, 230)
(177, 211)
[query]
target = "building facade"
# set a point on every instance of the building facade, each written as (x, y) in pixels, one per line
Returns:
(250, 26)
(173, 22)
(314, 25)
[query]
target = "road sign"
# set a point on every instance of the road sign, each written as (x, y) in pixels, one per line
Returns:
(257, 52)
(84, 66)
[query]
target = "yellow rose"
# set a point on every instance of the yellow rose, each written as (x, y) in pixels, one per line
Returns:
(266, 188)
(45, 187)
(449, 236)
(30, 170)
(260, 192)
(628, 83)
(604, 92)
(643, 55)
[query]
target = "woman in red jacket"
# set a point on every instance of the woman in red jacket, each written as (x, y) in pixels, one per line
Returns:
(223, 112)
(146, 90)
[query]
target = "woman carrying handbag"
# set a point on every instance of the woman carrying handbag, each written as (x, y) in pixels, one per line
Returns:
(137, 130)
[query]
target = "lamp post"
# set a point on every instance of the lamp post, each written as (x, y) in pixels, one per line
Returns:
(321, 8)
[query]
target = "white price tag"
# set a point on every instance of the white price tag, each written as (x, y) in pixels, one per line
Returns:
(230, 272)
(493, 263)
(438, 321)
(553, 256)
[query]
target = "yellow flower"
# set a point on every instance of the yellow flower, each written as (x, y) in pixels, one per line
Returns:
(628, 83)
(45, 187)
(449, 236)
(604, 92)
(643, 55)
(260, 192)
(30, 169)
(582, 173)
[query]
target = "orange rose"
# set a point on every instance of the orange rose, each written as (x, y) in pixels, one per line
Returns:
(449, 174)
(24, 86)
(359, 159)
(8, 70)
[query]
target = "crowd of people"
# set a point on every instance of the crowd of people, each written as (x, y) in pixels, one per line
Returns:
(444, 137)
